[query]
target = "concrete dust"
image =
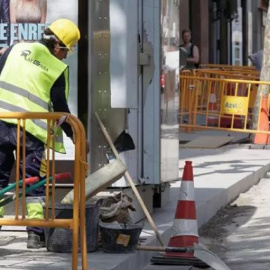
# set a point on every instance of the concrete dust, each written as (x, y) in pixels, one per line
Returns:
(240, 232)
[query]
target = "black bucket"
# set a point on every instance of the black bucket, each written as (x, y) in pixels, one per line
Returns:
(119, 238)
(60, 239)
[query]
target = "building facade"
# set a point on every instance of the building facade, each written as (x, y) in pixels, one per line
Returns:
(226, 31)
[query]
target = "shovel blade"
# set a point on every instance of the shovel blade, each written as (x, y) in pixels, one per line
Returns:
(207, 256)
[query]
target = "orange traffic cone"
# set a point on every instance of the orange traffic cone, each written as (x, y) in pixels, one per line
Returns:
(185, 222)
(212, 118)
(261, 138)
(180, 250)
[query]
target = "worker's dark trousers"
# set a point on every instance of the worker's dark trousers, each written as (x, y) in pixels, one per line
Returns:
(33, 158)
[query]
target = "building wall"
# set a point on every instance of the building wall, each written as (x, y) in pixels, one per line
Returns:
(256, 31)
(184, 15)
(194, 15)
(200, 28)
(215, 45)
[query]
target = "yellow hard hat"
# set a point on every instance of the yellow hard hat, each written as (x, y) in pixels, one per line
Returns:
(66, 31)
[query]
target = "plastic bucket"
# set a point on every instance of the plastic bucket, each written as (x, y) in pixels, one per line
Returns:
(119, 238)
(60, 239)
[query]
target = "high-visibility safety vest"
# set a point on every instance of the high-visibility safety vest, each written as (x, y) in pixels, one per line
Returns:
(25, 84)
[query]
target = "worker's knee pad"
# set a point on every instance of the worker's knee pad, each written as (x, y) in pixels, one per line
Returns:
(34, 207)
(2, 211)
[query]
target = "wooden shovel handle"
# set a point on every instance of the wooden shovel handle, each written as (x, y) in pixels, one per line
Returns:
(130, 181)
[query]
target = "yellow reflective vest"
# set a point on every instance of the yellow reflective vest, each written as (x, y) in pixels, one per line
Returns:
(25, 84)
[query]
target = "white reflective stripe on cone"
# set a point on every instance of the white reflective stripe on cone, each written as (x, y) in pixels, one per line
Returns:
(187, 191)
(185, 227)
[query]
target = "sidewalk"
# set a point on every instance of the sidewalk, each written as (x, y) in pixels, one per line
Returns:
(220, 175)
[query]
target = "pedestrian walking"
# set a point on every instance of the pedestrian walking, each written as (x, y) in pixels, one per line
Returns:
(192, 51)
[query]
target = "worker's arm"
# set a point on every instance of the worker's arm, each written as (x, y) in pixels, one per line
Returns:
(59, 102)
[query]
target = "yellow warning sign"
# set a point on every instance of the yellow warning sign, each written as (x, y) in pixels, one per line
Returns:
(123, 239)
(234, 105)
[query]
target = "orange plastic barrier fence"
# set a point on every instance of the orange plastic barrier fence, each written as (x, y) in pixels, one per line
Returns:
(227, 67)
(221, 74)
(77, 223)
(186, 95)
(213, 103)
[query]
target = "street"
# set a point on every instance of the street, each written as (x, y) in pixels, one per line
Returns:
(239, 233)
(219, 176)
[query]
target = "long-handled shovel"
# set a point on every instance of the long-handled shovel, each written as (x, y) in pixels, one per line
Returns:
(130, 181)
(12, 197)
(107, 175)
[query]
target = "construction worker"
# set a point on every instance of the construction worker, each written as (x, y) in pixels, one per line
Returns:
(34, 79)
